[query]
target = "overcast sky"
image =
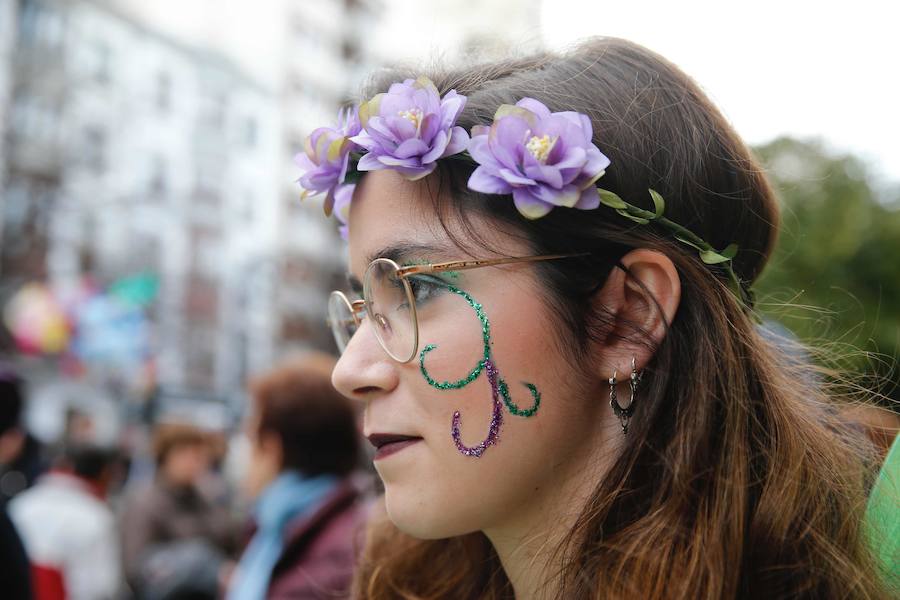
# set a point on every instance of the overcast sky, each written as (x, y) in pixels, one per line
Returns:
(825, 69)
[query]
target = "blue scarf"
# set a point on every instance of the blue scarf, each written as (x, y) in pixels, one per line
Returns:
(285, 498)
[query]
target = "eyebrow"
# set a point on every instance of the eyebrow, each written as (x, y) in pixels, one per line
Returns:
(400, 252)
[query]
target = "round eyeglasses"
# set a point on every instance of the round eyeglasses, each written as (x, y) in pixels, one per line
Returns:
(390, 303)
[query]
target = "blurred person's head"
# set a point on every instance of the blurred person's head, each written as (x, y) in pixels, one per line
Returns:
(298, 421)
(182, 453)
(12, 436)
(97, 465)
(80, 427)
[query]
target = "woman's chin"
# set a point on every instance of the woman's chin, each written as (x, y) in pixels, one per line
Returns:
(423, 520)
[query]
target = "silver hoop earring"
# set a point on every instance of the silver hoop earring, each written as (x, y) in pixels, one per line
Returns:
(625, 413)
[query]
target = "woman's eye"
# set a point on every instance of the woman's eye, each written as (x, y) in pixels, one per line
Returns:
(425, 287)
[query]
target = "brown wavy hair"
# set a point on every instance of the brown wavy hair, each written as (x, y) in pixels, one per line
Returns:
(738, 477)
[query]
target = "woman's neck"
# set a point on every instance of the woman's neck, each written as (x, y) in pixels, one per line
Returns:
(528, 542)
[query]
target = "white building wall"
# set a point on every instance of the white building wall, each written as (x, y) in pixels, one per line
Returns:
(170, 155)
(7, 41)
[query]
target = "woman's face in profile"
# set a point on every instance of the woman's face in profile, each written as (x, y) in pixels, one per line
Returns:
(432, 488)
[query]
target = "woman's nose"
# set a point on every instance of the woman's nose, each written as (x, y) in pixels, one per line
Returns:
(364, 369)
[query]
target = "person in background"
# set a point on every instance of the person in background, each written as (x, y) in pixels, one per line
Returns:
(175, 537)
(21, 460)
(15, 576)
(308, 512)
(15, 580)
(68, 528)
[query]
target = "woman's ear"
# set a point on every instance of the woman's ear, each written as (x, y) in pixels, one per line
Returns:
(641, 297)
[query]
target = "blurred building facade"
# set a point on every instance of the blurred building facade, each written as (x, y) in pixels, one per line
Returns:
(127, 151)
(326, 53)
(7, 40)
(124, 149)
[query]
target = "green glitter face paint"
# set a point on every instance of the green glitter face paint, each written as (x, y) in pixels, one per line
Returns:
(499, 388)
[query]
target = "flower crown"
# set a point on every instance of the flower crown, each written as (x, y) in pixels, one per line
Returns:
(545, 160)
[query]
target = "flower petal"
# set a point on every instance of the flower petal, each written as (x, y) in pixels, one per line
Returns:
(343, 197)
(303, 161)
(596, 162)
(480, 151)
(589, 200)
(370, 162)
(548, 174)
(514, 178)
(574, 158)
(369, 109)
(382, 133)
(459, 139)
(411, 147)
(535, 106)
(529, 206)
(393, 161)
(329, 203)
(401, 128)
(567, 196)
(482, 181)
(414, 174)
(451, 106)
(438, 145)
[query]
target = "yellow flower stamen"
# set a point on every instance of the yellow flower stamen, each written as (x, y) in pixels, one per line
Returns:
(414, 116)
(540, 147)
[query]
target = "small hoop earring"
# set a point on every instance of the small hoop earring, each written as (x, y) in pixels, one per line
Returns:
(625, 413)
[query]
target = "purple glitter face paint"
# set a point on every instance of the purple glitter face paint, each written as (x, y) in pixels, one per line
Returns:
(496, 418)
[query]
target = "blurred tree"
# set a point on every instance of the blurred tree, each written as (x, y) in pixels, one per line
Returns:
(838, 254)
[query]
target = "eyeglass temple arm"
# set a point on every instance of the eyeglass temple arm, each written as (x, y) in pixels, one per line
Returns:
(462, 265)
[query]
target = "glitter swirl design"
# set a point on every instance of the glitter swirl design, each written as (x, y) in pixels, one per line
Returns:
(499, 387)
(493, 435)
(513, 407)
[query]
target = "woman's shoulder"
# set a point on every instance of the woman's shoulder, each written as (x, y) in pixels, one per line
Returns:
(321, 547)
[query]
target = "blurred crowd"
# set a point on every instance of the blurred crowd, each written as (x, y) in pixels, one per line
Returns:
(274, 509)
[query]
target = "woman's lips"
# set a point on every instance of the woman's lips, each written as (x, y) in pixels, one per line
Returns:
(388, 443)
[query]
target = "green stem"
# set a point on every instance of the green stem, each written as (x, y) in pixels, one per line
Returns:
(695, 240)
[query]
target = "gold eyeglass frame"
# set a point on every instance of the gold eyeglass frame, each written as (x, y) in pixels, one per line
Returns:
(358, 306)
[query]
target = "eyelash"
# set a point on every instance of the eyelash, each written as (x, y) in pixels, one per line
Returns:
(425, 287)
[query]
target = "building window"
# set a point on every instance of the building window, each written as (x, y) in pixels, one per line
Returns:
(163, 91)
(95, 149)
(102, 58)
(159, 184)
(249, 132)
(40, 25)
(350, 49)
(34, 118)
(206, 251)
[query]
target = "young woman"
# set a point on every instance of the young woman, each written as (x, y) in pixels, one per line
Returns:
(553, 334)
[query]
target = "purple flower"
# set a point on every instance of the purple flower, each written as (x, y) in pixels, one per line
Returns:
(342, 197)
(409, 128)
(326, 156)
(543, 159)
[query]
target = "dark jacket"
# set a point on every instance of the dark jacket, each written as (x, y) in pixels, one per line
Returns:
(321, 549)
(15, 573)
(157, 516)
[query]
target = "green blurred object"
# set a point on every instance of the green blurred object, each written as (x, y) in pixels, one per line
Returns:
(836, 259)
(136, 290)
(883, 517)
